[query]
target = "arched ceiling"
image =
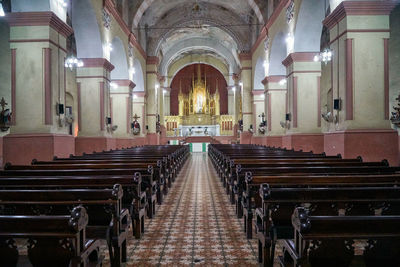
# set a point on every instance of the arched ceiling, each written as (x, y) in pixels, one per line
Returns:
(228, 26)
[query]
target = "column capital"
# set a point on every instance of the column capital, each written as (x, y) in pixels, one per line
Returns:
(127, 83)
(245, 56)
(299, 57)
(273, 79)
(152, 60)
(358, 8)
(46, 18)
(97, 63)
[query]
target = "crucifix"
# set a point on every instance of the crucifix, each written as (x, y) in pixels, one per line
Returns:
(136, 117)
(3, 103)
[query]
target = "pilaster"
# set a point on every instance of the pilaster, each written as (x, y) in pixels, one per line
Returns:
(38, 51)
(359, 33)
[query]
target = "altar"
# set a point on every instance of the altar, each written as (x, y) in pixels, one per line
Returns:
(199, 130)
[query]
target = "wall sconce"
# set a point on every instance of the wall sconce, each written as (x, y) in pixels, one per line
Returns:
(73, 62)
(325, 56)
(113, 85)
(282, 82)
(2, 13)
(63, 3)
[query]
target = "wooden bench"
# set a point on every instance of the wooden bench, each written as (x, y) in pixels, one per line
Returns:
(148, 184)
(273, 218)
(107, 219)
(133, 198)
(315, 235)
(58, 240)
(251, 199)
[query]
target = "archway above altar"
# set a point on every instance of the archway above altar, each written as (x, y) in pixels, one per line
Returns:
(199, 103)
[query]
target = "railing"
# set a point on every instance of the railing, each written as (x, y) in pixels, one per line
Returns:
(225, 122)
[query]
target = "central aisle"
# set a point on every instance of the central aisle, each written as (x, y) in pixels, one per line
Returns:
(195, 225)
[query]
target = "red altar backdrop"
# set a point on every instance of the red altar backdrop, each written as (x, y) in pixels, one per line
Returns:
(185, 76)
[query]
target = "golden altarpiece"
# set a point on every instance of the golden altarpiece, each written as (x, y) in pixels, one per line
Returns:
(199, 111)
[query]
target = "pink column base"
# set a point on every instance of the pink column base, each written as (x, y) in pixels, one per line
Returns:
(130, 142)
(371, 145)
(274, 141)
(93, 144)
(245, 137)
(22, 148)
(258, 140)
(305, 142)
(153, 139)
(225, 139)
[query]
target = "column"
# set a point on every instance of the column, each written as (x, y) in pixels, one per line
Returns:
(121, 112)
(258, 109)
(246, 92)
(360, 80)
(152, 87)
(304, 102)
(139, 109)
(167, 100)
(38, 50)
(275, 108)
(95, 132)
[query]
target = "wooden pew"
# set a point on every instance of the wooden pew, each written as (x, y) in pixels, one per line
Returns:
(133, 198)
(107, 219)
(273, 218)
(251, 199)
(336, 234)
(148, 185)
(161, 172)
(58, 240)
(237, 177)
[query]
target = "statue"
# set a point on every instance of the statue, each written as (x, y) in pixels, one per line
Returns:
(262, 128)
(135, 125)
(395, 118)
(5, 116)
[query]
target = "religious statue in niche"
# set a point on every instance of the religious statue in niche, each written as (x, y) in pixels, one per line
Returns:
(240, 123)
(395, 119)
(135, 125)
(158, 124)
(5, 116)
(262, 128)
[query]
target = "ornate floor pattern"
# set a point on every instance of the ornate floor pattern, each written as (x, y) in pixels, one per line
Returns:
(195, 226)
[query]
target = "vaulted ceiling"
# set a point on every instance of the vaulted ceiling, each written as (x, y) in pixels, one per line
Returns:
(168, 28)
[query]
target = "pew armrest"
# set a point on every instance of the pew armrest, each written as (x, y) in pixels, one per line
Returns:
(288, 247)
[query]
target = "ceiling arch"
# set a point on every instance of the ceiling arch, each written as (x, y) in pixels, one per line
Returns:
(198, 43)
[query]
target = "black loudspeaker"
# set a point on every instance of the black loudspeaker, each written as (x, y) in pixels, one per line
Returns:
(147, 127)
(288, 117)
(108, 120)
(59, 109)
(337, 104)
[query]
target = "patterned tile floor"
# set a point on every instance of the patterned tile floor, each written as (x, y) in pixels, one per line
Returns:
(195, 226)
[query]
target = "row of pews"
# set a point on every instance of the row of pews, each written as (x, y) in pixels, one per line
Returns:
(316, 207)
(65, 207)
